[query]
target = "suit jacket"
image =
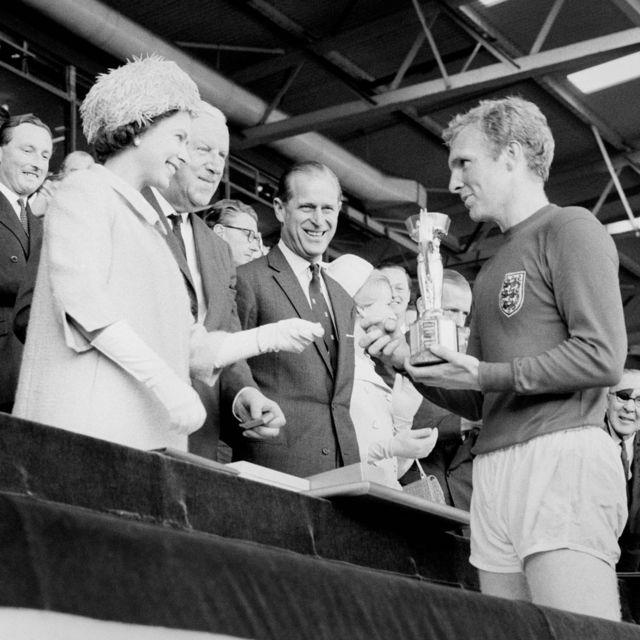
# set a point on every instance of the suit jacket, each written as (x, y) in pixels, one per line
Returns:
(630, 538)
(15, 248)
(218, 275)
(319, 434)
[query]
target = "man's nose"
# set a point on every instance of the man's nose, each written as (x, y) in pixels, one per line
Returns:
(455, 183)
(183, 155)
(316, 215)
(216, 164)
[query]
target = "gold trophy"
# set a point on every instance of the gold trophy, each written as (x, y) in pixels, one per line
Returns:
(432, 326)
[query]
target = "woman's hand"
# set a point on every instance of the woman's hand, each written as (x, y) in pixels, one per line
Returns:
(414, 443)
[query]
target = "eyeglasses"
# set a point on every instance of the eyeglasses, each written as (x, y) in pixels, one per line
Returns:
(252, 236)
(624, 395)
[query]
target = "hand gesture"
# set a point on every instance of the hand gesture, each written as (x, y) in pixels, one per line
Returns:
(293, 334)
(414, 443)
(459, 371)
(260, 417)
(383, 343)
(186, 412)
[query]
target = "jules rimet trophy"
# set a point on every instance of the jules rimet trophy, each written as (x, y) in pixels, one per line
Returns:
(432, 326)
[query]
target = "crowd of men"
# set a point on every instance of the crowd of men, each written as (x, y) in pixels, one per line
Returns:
(544, 362)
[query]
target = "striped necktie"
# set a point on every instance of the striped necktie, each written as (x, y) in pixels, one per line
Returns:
(320, 310)
(176, 221)
(24, 218)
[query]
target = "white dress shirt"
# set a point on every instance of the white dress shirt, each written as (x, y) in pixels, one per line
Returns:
(186, 230)
(300, 267)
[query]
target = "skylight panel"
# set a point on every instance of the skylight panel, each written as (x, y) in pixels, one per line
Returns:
(607, 74)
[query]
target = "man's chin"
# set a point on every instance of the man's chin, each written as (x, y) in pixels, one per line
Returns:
(201, 201)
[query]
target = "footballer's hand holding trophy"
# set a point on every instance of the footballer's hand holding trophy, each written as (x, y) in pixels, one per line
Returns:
(432, 326)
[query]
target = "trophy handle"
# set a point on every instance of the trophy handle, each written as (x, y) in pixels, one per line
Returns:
(436, 272)
(423, 276)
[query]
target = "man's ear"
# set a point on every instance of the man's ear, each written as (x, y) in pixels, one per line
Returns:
(278, 207)
(219, 229)
(514, 153)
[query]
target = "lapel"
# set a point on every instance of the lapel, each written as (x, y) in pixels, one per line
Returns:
(170, 238)
(9, 219)
(635, 464)
(287, 281)
(208, 262)
(35, 229)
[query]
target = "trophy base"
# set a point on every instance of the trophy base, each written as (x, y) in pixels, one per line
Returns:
(427, 331)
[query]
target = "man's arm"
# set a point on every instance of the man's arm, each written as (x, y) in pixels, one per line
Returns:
(237, 386)
(393, 351)
(587, 296)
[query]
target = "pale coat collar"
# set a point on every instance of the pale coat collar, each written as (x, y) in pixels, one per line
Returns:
(167, 207)
(131, 195)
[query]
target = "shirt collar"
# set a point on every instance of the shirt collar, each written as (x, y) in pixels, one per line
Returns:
(167, 207)
(298, 264)
(11, 196)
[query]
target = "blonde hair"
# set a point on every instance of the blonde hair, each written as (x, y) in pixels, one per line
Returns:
(506, 120)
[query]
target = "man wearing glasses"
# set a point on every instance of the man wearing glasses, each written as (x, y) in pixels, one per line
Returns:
(237, 224)
(622, 421)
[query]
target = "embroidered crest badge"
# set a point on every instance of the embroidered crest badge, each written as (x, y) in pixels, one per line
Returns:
(512, 293)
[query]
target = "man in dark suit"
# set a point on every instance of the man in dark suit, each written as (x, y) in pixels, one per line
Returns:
(314, 387)
(73, 161)
(622, 421)
(206, 264)
(25, 150)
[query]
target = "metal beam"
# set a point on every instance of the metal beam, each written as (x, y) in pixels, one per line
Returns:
(614, 176)
(560, 89)
(269, 67)
(432, 42)
(631, 8)
(408, 60)
(434, 91)
(228, 47)
(546, 27)
(629, 264)
(603, 196)
(323, 45)
(355, 78)
(293, 74)
(482, 36)
(368, 222)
